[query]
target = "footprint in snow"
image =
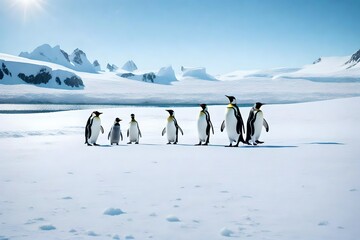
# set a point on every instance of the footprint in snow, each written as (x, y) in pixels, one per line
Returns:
(323, 223)
(353, 190)
(67, 198)
(113, 211)
(129, 237)
(92, 234)
(172, 219)
(47, 227)
(226, 232)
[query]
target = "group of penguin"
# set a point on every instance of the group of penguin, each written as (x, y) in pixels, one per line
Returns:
(233, 124)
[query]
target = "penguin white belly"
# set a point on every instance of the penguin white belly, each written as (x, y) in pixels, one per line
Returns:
(115, 134)
(133, 132)
(257, 126)
(95, 130)
(171, 131)
(230, 125)
(202, 125)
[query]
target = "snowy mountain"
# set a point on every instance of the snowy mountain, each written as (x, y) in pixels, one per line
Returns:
(198, 73)
(354, 60)
(329, 69)
(112, 67)
(97, 66)
(76, 61)
(166, 87)
(129, 66)
(165, 76)
(14, 70)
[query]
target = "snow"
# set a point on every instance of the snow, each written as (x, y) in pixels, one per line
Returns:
(199, 73)
(328, 69)
(76, 61)
(303, 183)
(328, 79)
(113, 211)
(129, 66)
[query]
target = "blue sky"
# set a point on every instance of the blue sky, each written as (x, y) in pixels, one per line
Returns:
(221, 35)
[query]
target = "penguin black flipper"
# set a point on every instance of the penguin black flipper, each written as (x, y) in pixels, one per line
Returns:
(222, 126)
(163, 131)
(249, 126)
(88, 129)
(127, 133)
(139, 130)
(109, 133)
(121, 136)
(209, 123)
(178, 127)
(102, 129)
(266, 125)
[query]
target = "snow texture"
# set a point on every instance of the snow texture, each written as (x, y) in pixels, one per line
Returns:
(113, 212)
(300, 184)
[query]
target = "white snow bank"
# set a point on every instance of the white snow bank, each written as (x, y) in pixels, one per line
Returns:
(198, 73)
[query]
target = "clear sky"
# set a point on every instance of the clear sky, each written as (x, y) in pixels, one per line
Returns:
(221, 35)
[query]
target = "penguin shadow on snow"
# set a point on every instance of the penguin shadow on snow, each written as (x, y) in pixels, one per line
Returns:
(269, 146)
(326, 143)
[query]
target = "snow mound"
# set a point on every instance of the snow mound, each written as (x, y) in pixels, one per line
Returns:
(165, 75)
(113, 211)
(47, 227)
(226, 232)
(92, 234)
(199, 73)
(172, 218)
(129, 66)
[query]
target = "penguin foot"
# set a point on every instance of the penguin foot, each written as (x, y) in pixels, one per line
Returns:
(95, 144)
(129, 143)
(230, 145)
(137, 143)
(175, 143)
(88, 144)
(259, 142)
(255, 144)
(169, 143)
(198, 144)
(205, 144)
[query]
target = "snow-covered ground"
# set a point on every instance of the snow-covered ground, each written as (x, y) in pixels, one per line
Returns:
(303, 183)
(328, 78)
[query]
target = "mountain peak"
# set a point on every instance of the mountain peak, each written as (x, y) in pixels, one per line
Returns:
(354, 59)
(129, 66)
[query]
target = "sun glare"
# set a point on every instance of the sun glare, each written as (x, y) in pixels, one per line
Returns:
(28, 7)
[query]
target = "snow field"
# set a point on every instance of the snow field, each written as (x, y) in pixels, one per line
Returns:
(303, 183)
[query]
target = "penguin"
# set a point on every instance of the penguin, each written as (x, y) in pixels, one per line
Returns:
(254, 124)
(133, 133)
(204, 125)
(93, 128)
(172, 128)
(233, 122)
(115, 132)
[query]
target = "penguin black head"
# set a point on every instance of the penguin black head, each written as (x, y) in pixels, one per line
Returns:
(171, 112)
(258, 105)
(132, 116)
(232, 99)
(97, 114)
(203, 106)
(118, 120)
